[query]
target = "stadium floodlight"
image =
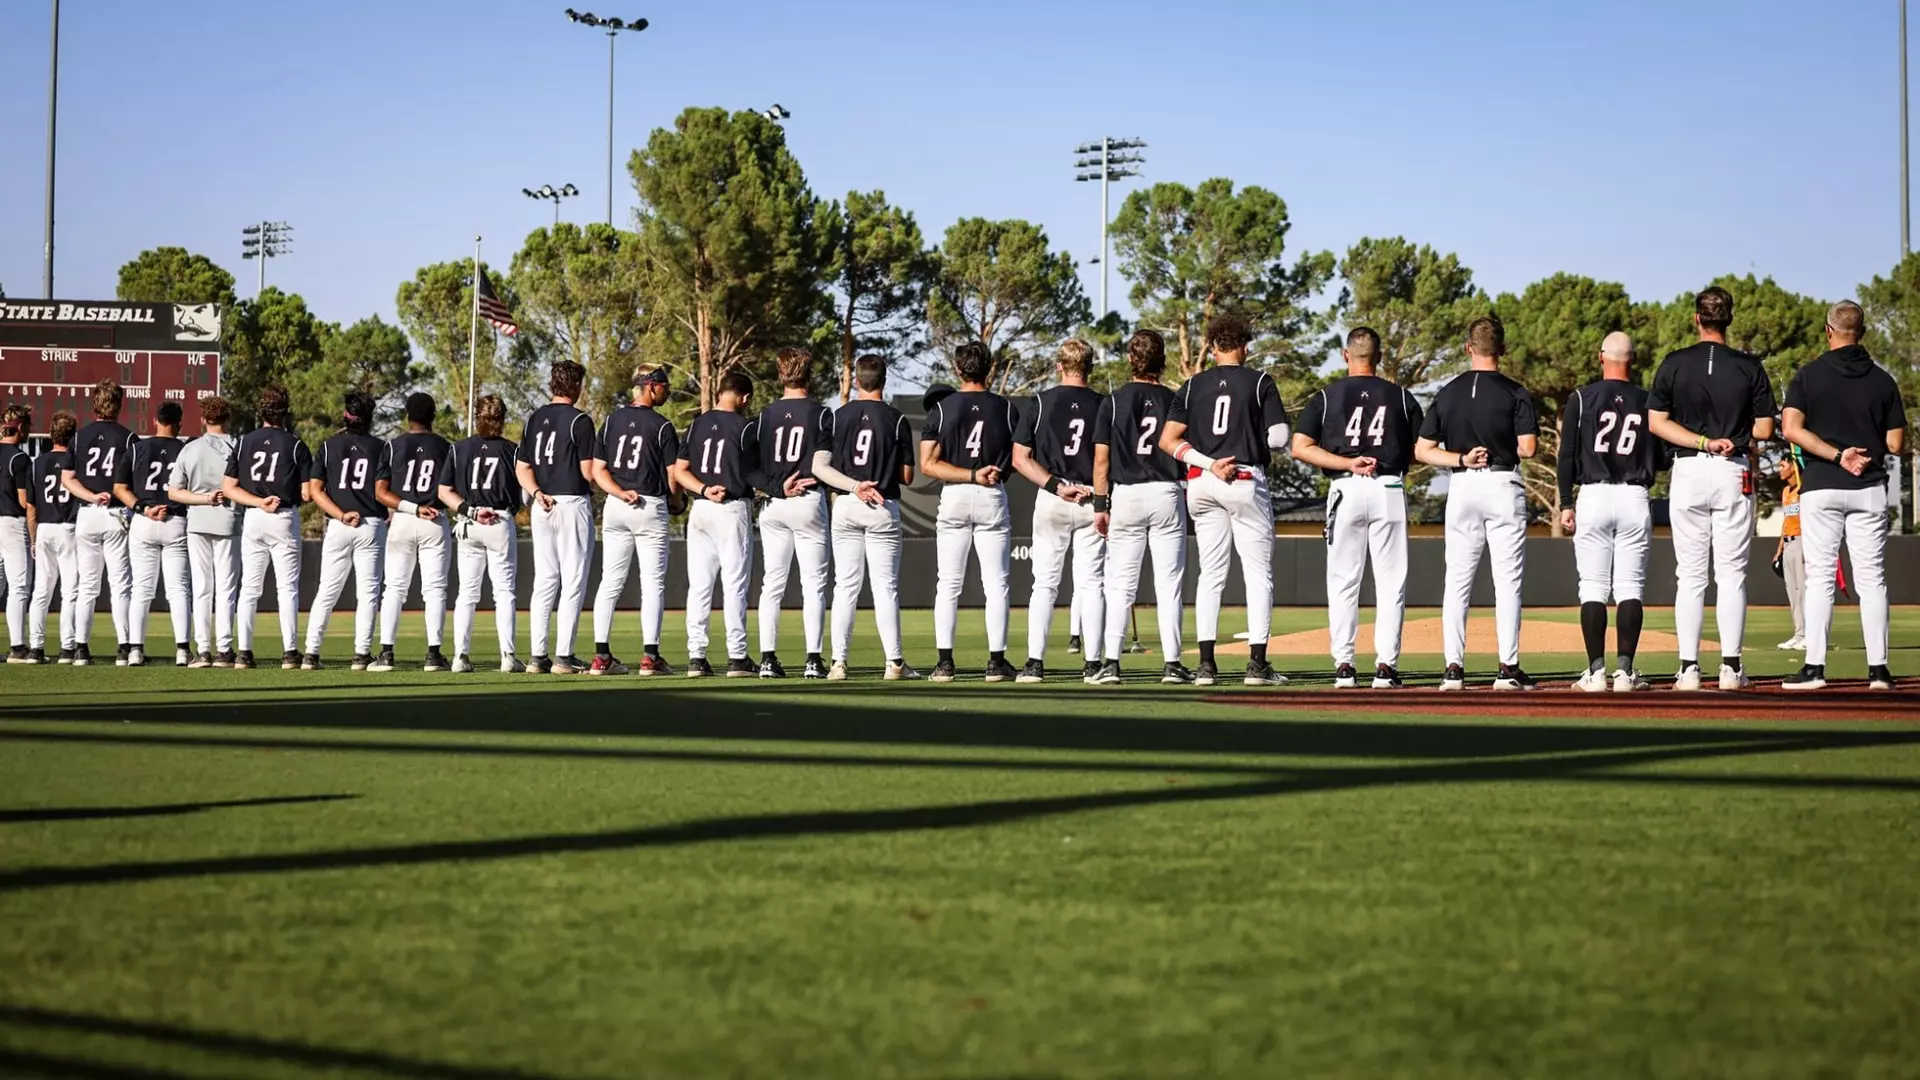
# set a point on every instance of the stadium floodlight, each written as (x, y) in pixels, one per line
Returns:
(553, 194)
(1108, 160)
(776, 112)
(267, 240)
(613, 28)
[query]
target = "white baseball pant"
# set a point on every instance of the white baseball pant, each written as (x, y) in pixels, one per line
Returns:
(58, 564)
(16, 577)
(491, 552)
(1487, 511)
(866, 543)
(1712, 520)
(719, 543)
(1143, 518)
(214, 559)
(270, 540)
(1612, 531)
(414, 540)
(1057, 526)
(100, 533)
(973, 519)
(1366, 517)
(791, 528)
(1229, 518)
(158, 552)
(633, 536)
(1827, 517)
(562, 562)
(359, 550)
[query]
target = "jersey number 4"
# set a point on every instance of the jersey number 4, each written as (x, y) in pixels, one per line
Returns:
(1629, 433)
(1377, 430)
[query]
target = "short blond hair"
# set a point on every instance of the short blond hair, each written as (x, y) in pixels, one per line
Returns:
(1076, 357)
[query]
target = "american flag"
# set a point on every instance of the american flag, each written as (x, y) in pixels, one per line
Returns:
(493, 310)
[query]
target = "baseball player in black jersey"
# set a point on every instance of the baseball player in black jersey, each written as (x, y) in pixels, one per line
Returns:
(872, 458)
(479, 489)
(1053, 448)
(1359, 431)
(967, 445)
(16, 538)
(1137, 506)
(1844, 412)
(342, 484)
(268, 475)
(1226, 422)
(720, 465)
(100, 529)
(633, 463)
(1482, 424)
(56, 559)
(1606, 450)
(157, 542)
(418, 533)
(793, 524)
(1712, 403)
(555, 469)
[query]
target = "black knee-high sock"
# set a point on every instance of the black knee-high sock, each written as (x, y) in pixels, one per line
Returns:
(1630, 616)
(1593, 627)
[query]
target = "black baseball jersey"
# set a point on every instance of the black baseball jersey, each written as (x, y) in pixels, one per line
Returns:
(1129, 424)
(1849, 401)
(480, 468)
(1604, 438)
(1712, 390)
(638, 446)
(147, 470)
(790, 430)
(1228, 410)
(1364, 416)
(1059, 432)
(872, 441)
(51, 499)
(1482, 408)
(414, 460)
(99, 450)
(974, 429)
(16, 475)
(271, 462)
(558, 438)
(721, 448)
(348, 465)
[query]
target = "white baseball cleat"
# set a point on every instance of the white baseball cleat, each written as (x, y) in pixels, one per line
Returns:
(1688, 680)
(1627, 682)
(1794, 642)
(838, 672)
(182, 658)
(1593, 682)
(1732, 678)
(137, 657)
(511, 665)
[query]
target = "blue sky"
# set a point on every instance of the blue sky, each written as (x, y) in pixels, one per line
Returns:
(1654, 144)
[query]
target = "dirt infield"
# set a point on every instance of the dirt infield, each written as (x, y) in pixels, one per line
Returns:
(1844, 700)
(1423, 636)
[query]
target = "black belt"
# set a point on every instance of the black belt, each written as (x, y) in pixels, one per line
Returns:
(1488, 469)
(1688, 451)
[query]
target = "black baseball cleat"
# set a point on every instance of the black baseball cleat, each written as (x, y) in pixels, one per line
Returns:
(1206, 674)
(120, 654)
(1345, 677)
(18, 655)
(739, 667)
(769, 668)
(1811, 677)
(1879, 677)
(1175, 674)
(1455, 678)
(36, 656)
(1074, 644)
(943, 672)
(362, 661)
(227, 659)
(243, 660)
(383, 662)
(204, 660)
(1000, 671)
(540, 665)
(82, 656)
(65, 657)
(310, 662)
(290, 660)
(1512, 677)
(815, 668)
(698, 668)
(1261, 673)
(435, 661)
(1033, 672)
(1088, 670)
(1386, 677)
(1109, 674)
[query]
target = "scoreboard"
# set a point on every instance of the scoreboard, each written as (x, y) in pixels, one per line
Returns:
(53, 352)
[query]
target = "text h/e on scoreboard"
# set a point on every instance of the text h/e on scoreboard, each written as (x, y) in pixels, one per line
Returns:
(52, 353)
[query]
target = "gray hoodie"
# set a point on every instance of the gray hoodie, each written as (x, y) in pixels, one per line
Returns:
(202, 466)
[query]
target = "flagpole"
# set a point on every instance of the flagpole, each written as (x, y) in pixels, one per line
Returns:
(473, 334)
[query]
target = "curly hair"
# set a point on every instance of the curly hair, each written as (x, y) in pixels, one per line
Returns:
(107, 396)
(1228, 332)
(1146, 354)
(271, 406)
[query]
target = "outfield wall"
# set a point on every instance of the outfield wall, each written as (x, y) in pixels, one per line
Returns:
(1299, 575)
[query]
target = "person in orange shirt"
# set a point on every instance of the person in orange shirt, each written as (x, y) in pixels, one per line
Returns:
(1793, 565)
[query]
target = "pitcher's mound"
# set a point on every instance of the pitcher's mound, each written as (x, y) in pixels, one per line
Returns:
(1425, 636)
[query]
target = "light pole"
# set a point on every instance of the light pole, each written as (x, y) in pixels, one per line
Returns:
(267, 240)
(613, 28)
(1906, 235)
(776, 112)
(1115, 161)
(53, 115)
(548, 191)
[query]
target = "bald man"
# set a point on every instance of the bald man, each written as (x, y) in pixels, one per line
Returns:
(1606, 451)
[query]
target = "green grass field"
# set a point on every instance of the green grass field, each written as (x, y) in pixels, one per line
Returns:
(268, 874)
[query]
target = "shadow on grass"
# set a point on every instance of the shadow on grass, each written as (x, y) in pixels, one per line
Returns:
(247, 1048)
(95, 813)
